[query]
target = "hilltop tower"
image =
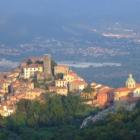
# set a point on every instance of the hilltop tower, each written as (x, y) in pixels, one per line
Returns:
(47, 61)
(131, 83)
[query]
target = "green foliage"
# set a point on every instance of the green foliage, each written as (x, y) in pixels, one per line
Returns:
(54, 111)
(40, 84)
(59, 118)
(35, 120)
(59, 76)
(39, 62)
(29, 62)
(88, 89)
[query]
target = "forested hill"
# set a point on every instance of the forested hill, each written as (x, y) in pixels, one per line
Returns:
(59, 118)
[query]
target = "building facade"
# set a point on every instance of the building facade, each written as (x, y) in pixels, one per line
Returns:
(47, 63)
(131, 89)
(31, 70)
(61, 69)
(61, 83)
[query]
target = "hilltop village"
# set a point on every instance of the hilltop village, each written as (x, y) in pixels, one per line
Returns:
(41, 75)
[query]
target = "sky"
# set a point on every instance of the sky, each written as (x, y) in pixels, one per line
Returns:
(22, 17)
(65, 7)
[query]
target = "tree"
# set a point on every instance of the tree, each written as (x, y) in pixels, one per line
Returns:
(39, 62)
(59, 76)
(88, 89)
(29, 62)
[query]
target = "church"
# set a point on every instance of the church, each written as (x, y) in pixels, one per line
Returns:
(131, 89)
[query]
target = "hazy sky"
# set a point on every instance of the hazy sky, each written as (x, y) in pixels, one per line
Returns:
(66, 6)
(25, 17)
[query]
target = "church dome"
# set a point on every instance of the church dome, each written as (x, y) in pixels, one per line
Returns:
(130, 83)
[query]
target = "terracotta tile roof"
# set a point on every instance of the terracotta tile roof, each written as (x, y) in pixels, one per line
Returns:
(72, 73)
(138, 85)
(33, 66)
(61, 88)
(123, 89)
(60, 80)
(38, 90)
(16, 82)
(105, 90)
(4, 81)
(80, 82)
(129, 98)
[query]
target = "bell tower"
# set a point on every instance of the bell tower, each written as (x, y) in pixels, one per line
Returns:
(47, 61)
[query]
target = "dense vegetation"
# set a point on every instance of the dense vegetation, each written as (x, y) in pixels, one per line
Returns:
(44, 119)
(59, 118)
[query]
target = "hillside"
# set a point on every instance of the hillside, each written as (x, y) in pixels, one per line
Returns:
(59, 118)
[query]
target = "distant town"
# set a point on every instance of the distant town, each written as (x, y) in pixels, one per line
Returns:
(41, 75)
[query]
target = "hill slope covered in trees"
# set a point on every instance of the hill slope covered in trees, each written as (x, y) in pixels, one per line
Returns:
(59, 118)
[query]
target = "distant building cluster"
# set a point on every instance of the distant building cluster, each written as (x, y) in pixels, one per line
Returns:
(103, 96)
(68, 81)
(13, 89)
(33, 77)
(38, 75)
(130, 92)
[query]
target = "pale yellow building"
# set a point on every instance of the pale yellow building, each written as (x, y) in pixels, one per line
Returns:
(77, 85)
(4, 84)
(31, 70)
(6, 111)
(61, 83)
(61, 69)
(71, 76)
(62, 90)
(33, 94)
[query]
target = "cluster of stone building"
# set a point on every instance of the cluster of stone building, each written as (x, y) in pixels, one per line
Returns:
(63, 79)
(60, 79)
(13, 89)
(69, 82)
(20, 83)
(103, 96)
